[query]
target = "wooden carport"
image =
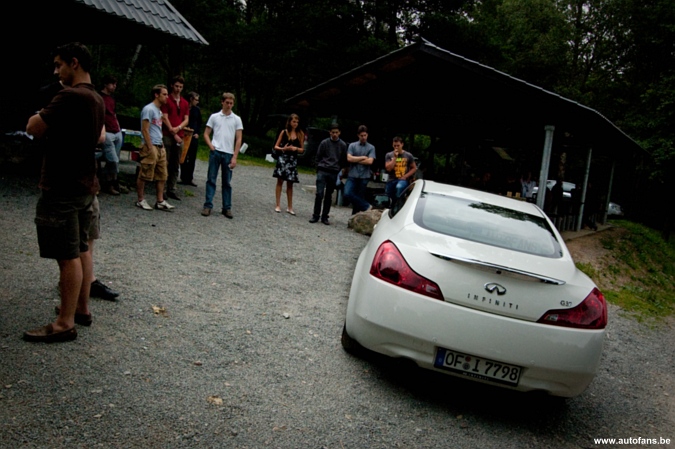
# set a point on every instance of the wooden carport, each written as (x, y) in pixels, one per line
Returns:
(424, 89)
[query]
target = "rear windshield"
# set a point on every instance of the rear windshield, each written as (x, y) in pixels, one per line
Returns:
(487, 223)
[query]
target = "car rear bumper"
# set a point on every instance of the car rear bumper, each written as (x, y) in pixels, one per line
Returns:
(399, 323)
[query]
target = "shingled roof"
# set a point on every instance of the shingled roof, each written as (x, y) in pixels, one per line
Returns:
(39, 26)
(98, 22)
(157, 14)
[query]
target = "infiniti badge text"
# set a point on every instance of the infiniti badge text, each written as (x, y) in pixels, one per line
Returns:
(488, 300)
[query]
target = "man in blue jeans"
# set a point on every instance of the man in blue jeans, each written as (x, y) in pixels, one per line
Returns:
(225, 144)
(400, 166)
(330, 158)
(360, 156)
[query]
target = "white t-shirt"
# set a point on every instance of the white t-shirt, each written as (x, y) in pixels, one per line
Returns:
(224, 129)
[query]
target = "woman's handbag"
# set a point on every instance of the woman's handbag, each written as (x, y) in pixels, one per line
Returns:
(284, 141)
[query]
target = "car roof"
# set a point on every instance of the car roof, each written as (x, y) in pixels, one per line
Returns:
(483, 197)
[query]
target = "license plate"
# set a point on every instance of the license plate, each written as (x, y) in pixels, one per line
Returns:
(477, 367)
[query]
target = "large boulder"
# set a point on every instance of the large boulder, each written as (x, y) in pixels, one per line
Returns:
(364, 222)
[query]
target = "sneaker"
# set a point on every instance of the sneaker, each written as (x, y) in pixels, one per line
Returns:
(100, 290)
(206, 212)
(164, 206)
(143, 205)
(228, 214)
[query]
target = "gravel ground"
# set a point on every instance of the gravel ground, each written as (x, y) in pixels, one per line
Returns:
(246, 353)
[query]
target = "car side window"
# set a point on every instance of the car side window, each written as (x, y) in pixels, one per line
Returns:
(400, 201)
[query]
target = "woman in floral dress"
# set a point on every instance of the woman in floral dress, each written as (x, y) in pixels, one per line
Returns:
(288, 145)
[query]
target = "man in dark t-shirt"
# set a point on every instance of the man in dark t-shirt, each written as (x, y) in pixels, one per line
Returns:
(331, 157)
(71, 126)
(98, 289)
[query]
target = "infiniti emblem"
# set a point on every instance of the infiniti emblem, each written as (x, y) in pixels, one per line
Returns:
(494, 287)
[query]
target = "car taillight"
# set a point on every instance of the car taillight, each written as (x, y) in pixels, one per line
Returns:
(590, 314)
(390, 266)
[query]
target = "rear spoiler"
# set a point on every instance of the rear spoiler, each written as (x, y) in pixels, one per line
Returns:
(499, 268)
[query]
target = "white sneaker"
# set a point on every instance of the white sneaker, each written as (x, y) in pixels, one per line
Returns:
(164, 206)
(143, 205)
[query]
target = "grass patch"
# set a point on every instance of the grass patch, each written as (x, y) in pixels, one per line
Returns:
(607, 243)
(587, 269)
(642, 303)
(650, 292)
(614, 270)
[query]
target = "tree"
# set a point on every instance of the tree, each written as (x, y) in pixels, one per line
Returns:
(530, 37)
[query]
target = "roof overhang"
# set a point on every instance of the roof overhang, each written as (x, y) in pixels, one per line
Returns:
(105, 21)
(425, 89)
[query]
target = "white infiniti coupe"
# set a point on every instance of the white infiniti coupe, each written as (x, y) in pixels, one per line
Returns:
(476, 285)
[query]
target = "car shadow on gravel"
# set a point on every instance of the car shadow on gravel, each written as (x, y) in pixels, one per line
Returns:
(537, 410)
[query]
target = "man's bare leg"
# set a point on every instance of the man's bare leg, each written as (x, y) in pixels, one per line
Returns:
(140, 189)
(160, 191)
(71, 287)
(87, 260)
(91, 256)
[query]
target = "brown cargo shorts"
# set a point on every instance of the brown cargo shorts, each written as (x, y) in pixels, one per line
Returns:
(153, 163)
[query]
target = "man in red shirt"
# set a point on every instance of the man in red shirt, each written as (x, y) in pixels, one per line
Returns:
(175, 117)
(113, 139)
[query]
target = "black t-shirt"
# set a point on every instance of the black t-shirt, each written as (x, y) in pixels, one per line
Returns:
(74, 118)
